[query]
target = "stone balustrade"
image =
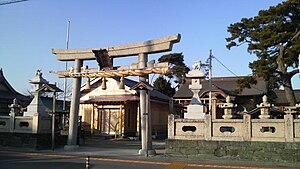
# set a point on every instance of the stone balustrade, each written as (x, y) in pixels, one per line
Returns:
(15, 123)
(25, 124)
(246, 129)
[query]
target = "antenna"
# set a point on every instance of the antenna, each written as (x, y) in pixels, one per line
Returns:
(66, 66)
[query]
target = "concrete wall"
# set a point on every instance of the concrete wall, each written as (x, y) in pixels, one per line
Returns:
(246, 150)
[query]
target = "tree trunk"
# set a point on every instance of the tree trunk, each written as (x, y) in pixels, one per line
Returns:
(289, 93)
(285, 77)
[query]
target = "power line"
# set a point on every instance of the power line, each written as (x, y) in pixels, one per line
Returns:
(225, 66)
(11, 2)
(252, 86)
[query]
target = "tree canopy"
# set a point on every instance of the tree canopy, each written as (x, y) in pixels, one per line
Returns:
(179, 69)
(274, 37)
(165, 87)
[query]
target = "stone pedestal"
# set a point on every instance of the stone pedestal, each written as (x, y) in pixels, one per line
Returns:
(227, 114)
(194, 112)
(36, 106)
(264, 113)
(145, 152)
(265, 107)
(228, 108)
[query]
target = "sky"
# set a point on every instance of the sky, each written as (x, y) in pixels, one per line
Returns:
(30, 29)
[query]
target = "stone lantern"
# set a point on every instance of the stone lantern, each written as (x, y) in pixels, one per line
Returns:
(228, 107)
(195, 110)
(36, 107)
(265, 107)
(15, 108)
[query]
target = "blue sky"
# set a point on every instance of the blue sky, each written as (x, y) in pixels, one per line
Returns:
(30, 29)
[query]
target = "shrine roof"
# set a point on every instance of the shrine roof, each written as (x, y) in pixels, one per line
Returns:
(8, 92)
(154, 94)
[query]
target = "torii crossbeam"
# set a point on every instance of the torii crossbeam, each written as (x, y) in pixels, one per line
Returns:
(147, 47)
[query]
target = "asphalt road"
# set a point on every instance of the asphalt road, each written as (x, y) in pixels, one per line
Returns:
(34, 160)
(108, 154)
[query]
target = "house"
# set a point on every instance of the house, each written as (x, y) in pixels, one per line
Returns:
(7, 94)
(111, 107)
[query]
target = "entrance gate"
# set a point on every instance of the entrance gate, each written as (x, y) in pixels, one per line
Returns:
(104, 57)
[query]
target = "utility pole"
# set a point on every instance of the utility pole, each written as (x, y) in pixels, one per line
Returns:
(209, 66)
(53, 119)
(66, 66)
(210, 81)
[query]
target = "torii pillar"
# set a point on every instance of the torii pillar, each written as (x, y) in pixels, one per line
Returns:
(145, 112)
(74, 108)
(140, 49)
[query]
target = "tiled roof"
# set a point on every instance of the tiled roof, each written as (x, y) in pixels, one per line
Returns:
(10, 92)
(281, 98)
(226, 84)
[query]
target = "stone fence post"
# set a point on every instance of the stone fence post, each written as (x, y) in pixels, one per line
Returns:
(35, 123)
(247, 130)
(12, 122)
(171, 125)
(289, 127)
(207, 127)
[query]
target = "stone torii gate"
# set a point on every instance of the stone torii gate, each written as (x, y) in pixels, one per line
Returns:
(141, 49)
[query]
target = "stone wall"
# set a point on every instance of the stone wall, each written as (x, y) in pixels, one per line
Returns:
(33, 132)
(25, 140)
(243, 150)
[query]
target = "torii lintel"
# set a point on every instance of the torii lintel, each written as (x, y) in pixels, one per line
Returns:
(148, 47)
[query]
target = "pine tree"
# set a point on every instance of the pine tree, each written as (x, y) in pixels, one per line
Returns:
(274, 37)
